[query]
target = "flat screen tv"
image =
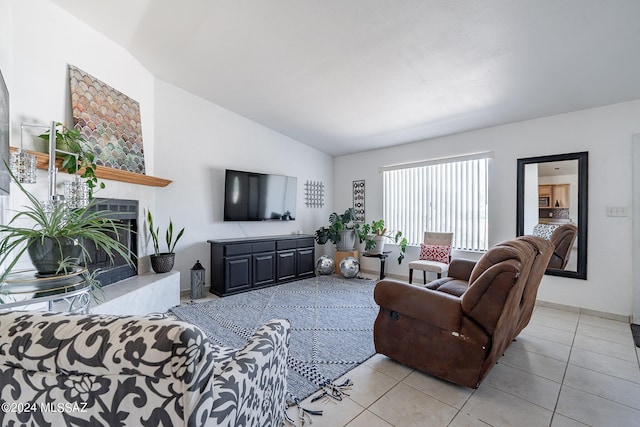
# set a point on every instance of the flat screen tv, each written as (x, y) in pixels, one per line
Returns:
(4, 136)
(250, 196)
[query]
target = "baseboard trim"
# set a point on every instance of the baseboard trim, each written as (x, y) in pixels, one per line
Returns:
(186, 293)
(389, 276)
(587, 311)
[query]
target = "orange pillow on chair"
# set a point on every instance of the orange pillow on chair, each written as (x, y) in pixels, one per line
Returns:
(438, 253)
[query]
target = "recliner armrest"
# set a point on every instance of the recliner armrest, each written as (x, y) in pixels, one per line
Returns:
(437, 308)
(256, 372)
(461, 268)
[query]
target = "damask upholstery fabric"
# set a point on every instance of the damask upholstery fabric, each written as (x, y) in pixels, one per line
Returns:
(544, 230)
(64, 369)
(249, 386)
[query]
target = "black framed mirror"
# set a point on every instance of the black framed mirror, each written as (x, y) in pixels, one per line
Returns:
(552, 203)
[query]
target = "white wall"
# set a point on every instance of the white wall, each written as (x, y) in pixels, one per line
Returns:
(196, 141)
(604, 132)
(37, 41)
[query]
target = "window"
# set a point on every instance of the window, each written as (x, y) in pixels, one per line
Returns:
(444, 195)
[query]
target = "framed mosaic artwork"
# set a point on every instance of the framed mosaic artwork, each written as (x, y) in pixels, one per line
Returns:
(109, 120)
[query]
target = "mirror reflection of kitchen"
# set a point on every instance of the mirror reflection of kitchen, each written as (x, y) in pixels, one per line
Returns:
(551, 201)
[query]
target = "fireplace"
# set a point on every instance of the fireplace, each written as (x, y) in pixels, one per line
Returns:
(126, 213)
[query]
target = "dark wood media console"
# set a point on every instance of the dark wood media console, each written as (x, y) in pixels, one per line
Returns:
(239, 265)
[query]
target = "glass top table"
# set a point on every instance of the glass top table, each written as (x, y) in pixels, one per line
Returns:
(23, 288)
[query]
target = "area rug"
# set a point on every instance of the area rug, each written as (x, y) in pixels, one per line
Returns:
(332, 327)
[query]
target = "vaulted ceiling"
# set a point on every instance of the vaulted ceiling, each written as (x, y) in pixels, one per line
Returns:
(352, 75)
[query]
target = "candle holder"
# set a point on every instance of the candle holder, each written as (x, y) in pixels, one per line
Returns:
(23, 167)
(76, 193)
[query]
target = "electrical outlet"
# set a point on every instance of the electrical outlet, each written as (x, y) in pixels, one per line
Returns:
(617, 211)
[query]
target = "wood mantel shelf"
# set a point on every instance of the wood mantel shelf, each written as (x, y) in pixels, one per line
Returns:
(42, 162)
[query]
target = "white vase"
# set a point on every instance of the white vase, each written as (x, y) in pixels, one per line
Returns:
(379, 247)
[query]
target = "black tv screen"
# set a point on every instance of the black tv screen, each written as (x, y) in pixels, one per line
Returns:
(250, 196)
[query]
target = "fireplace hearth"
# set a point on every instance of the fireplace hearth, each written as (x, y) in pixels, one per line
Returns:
(125, 212)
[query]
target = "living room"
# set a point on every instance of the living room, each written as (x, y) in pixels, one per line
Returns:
(191, 141)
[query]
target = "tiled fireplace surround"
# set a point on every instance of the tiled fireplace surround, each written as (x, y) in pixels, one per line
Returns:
(139, 294)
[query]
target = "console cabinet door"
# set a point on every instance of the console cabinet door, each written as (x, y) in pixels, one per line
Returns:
(286, 265)
(264, 269)
(237, 273)
(306, 262)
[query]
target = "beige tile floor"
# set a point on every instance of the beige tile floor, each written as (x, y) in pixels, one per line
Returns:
(565, 369)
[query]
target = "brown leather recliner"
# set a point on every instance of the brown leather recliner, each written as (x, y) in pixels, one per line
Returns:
(456, 328)
(562, 238)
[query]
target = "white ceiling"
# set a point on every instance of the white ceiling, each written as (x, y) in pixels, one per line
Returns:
(561, 168)
(351, 75)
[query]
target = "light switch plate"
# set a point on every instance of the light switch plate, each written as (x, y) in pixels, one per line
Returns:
(619, 211)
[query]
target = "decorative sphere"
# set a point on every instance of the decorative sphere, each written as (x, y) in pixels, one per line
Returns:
(325, 265)
(349, 267)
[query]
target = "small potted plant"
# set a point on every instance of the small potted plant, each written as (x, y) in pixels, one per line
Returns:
(72, 142)
(162, 262)
(341, 231)
(374, 236)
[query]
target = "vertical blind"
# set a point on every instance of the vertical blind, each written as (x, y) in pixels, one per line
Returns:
(442, 196)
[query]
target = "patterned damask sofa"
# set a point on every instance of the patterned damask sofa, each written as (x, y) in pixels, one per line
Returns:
(63, 369)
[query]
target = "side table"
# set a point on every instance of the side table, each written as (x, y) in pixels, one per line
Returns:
(383, 258)
(23, 288)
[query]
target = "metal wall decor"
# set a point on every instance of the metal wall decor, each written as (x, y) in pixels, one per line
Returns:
(358, 200)
(314, 194)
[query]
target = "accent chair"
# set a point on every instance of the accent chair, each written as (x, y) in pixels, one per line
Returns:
(437, 261)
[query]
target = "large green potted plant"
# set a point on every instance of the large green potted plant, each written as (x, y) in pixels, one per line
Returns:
(375, 235)
(55, 236)
(162, 262)
(341, 231)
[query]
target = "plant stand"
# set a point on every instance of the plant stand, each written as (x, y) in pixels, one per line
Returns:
(383, 258)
